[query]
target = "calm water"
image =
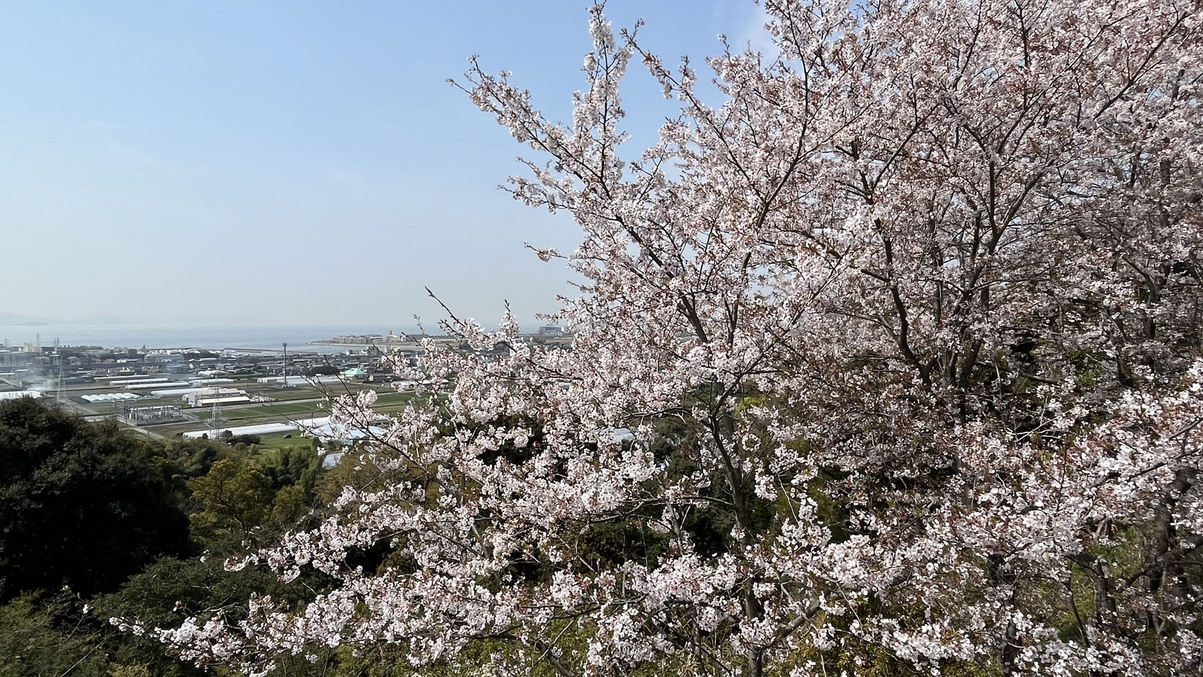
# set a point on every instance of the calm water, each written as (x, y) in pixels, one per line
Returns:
(184, 336)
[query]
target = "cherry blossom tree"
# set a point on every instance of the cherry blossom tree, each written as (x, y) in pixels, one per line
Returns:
(889, 362)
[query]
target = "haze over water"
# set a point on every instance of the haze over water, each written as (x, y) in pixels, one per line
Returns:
(213, 337)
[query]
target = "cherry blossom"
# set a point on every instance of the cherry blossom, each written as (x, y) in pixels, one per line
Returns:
(906, 331)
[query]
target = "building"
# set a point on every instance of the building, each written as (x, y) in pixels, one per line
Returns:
(203, 397)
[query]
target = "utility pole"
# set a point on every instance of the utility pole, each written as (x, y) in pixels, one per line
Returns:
(58, 396)
(217, 422)
(286, 365)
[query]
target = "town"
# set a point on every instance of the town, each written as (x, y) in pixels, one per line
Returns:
(273, 396)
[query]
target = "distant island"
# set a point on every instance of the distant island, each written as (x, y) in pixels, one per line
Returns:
(17, 320)
(13, 320)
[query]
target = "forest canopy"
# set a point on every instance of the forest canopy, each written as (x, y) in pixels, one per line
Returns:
(83, 506)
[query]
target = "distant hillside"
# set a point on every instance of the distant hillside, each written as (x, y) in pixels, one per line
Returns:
(14, 320)
(103, 319)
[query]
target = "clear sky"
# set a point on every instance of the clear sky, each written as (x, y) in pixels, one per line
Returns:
(283, 162)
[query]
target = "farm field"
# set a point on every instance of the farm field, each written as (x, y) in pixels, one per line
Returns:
(277, 412)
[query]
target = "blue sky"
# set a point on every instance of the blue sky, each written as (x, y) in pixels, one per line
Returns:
(292, 162)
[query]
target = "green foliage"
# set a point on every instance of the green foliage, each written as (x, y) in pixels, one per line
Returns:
(610, 544)
(241, 494)
(83, 505)
(245, 440)
(169, 591)
(291, 466)
(290, 505)
(48, 637)
(236, 497)
(189, 459)
(86, 506)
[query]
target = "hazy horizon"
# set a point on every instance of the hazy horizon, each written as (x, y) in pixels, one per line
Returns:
(280, 164)
(33, 321)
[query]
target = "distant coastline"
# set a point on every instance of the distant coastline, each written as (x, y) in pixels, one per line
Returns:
(313, 338)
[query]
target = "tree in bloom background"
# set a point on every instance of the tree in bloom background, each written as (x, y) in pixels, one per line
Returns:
(892, 362)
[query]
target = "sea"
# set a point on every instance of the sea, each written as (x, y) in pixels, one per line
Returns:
(210, 337)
